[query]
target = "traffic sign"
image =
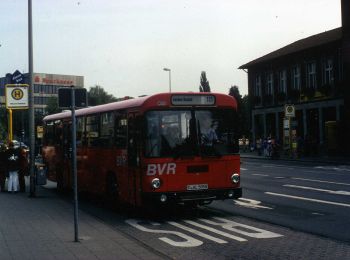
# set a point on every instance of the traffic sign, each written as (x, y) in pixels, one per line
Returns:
(65, 97)
(289, 111)
(17, 77)
(16, 96)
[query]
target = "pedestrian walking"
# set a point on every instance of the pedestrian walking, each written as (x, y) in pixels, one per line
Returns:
(12, 163)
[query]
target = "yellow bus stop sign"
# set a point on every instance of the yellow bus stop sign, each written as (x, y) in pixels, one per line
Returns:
(16, 96)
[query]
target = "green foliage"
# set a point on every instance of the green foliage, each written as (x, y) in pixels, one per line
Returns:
(52, 106)
(204, 83)
(243, 111)
(98, 96)
(3, 123)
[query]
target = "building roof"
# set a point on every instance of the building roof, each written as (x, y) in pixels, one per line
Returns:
(303, 44)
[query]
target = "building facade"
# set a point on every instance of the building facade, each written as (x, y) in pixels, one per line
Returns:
(312, 77)
(45, 86)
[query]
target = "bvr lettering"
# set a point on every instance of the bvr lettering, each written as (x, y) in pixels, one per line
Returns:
(165, 168)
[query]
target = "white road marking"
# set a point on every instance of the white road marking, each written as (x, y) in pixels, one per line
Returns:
(331, 182)
(243, 169)
(184, 240)
(332, 168)
(308, 199)
(255, 204)
(337, 192)
(240, 239)
(317, 214)
(198, 233)
(273, 165)
(259, 174)
(242, 228)
(279, 177)
(189, 241)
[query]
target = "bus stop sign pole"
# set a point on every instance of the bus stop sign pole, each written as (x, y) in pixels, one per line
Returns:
(74, 165)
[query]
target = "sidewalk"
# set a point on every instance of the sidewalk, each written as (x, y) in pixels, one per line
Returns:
(340, 160)
(43, 228)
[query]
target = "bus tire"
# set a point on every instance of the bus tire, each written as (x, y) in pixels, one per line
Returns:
(112, 191)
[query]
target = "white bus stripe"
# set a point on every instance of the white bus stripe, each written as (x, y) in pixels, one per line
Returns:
(198, 233)
(337, 192)
(331, 182)
(308, 199)
(216, 231)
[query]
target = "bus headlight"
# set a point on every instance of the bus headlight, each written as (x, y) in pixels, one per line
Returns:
(155, 183)
(235, 178)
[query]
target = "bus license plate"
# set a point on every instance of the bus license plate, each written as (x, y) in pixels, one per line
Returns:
(197, 187)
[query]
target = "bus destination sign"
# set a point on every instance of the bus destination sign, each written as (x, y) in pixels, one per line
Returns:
(193, 100)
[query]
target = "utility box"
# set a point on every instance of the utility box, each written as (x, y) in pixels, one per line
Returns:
(40, 174)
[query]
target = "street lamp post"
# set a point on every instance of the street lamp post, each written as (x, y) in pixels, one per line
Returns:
(31, 102)
(169, 70)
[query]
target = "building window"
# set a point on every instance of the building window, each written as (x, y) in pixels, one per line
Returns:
(296, 78)
(311, 75)
(269, 90)
(282, 81)
(257, 88)
(327, 72)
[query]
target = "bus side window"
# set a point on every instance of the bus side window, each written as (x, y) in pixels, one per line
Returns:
(58, 133)
(106, 130)
(80, 131)
(92, 130)
(121, 124)
(48, 134)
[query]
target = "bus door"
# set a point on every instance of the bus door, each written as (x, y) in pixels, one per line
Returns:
(134, 144)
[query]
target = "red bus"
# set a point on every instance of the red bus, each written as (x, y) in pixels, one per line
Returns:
(165, 148)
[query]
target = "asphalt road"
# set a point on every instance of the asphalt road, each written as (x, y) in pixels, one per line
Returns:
(289, 211)
(309, 197)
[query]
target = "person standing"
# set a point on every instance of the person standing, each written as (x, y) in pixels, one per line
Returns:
(12, 163)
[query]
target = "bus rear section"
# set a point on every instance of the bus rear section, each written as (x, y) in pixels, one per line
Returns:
(191, 156)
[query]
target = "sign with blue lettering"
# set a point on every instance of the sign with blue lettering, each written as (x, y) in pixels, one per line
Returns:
(17, 77)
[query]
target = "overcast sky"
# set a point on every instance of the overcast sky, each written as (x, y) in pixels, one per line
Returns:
(124, 45)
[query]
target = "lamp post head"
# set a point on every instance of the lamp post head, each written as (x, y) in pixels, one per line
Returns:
(166, 69)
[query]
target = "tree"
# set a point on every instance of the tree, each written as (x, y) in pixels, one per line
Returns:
(3, 123)
(243, 111)
(204, 86)
(97, 96)
(52, 106)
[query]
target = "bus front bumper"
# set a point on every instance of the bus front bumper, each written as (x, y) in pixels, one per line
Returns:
(192, 196)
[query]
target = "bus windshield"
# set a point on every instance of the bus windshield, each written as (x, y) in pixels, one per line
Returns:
(181, 133)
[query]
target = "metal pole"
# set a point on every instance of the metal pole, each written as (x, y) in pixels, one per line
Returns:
(169, 80)
(10, 130)
(31, 103)
(74, 166)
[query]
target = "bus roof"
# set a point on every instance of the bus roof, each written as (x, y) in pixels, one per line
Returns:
(157, 101)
